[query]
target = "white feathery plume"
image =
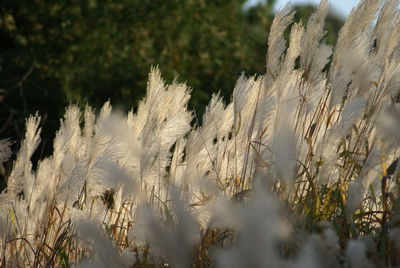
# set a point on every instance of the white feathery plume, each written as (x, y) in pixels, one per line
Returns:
(357, 23)
(355, 195)
(356, 253)
(352, 112)
(339, 82)
(21, 178)
(177, 162)
(314, 54)
(387, 126)
(390, 49)
(177, 99)
(392, 77)
(259, 226)
(200, 145)
(306, 258)
(356, 26)
(172, 240)
(102, 250)
(71, 130)
(284, 149)
(384, 35)
(294, 50)
(105, 111)
(240, 97)
(276, 42)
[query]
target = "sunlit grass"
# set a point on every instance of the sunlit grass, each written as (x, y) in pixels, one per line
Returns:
(298, 170)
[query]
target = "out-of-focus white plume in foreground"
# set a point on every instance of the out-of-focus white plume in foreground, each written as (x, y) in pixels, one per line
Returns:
(298, 170)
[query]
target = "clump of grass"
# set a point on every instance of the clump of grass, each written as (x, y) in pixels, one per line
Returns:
(298, 170)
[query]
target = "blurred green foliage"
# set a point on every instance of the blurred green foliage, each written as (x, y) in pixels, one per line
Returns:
(53, 52)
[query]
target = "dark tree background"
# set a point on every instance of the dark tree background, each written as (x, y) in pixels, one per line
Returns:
(53, 52)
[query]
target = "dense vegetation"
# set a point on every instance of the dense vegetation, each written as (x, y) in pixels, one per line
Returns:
(298, 169)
